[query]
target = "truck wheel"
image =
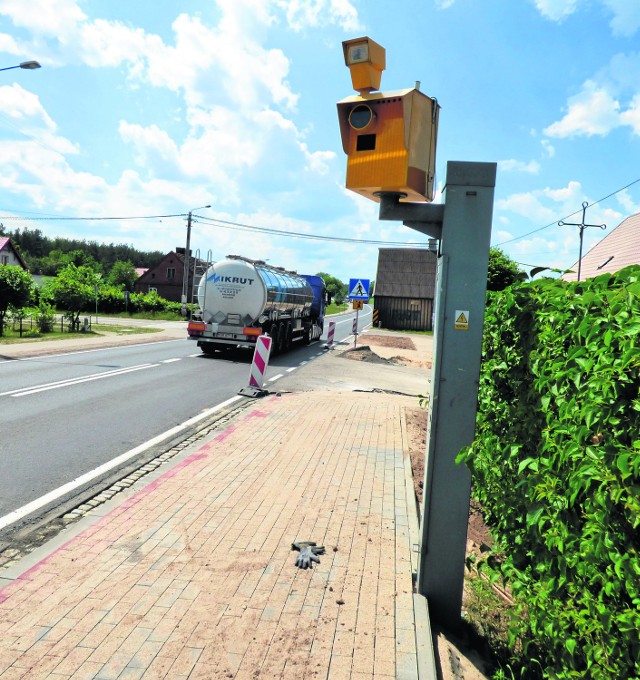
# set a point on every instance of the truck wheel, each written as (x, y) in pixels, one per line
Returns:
(306, 338)
(276, 334)
(282, 337)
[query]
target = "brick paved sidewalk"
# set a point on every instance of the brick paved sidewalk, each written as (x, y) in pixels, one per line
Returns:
(192, 576)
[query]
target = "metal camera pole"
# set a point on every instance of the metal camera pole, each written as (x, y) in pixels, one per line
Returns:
(463, 225)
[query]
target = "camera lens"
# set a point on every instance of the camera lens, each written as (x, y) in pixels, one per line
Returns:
(360, 117)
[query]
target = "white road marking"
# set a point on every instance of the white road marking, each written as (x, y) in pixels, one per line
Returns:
(27, 509)
(293, 368)
(170, 361)
(275, 377)
(87, 351)
(26, 391)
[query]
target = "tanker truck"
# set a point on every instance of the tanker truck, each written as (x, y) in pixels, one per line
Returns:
(240, 299)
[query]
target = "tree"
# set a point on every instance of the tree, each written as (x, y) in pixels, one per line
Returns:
(15, 289)
(503, 271)
(122, 275)
(336, 288)
(73, 290)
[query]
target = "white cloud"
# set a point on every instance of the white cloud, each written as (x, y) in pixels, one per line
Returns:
(150, 144)
(543, 206)
(302, 14)
(45, 17)
(103, 43)
(502, 234)
(571, 192)
(536, 244)
(625, 200)
(631, 116)
(235, 103)
(548, 148)
(317, 161)
(9, 45)
(593, 111)
(512, 165)
(625, 20)
(556, 10)
(626, 16)
(610, 99)
(24, 108)
(527, 205)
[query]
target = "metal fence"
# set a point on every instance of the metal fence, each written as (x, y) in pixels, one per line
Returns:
(28, 323)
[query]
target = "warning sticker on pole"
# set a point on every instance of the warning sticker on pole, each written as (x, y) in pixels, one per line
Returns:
(461, 322)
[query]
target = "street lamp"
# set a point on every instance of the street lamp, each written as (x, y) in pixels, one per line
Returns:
(185, 274)
(29, 65)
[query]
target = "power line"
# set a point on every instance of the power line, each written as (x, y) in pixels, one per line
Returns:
(555, 222)
(225, 224)
(89, 219)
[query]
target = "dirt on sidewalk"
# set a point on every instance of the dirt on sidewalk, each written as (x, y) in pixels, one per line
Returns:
(457, 659)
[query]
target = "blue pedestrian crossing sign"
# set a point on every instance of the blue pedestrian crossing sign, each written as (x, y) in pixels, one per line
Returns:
(358, 289)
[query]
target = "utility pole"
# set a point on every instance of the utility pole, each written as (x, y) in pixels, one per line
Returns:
(582, 227)
(185, 274)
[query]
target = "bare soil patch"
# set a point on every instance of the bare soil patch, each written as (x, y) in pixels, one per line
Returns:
(486, 607)
(364, 353)
(416, 419)
(395, 341)
(379, 349)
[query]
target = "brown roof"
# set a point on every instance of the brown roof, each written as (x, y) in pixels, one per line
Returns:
(406, 273)
(617, 250)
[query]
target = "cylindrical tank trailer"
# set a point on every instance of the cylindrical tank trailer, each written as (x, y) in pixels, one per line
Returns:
(240, 299)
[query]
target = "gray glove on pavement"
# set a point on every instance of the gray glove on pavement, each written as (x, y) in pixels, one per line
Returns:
(309, 552)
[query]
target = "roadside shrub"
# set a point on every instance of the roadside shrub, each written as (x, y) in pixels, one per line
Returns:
(45, 315)
(556, 465)
(151, 302)
(110, 300)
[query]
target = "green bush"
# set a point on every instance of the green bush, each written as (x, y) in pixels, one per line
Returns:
(45, 315)
(556, 465)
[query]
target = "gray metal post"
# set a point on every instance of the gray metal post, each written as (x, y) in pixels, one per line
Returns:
(465, 232)
(462, 284)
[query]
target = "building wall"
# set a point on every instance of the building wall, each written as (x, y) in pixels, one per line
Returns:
(166, 278)
(415, 314)
(7, 256)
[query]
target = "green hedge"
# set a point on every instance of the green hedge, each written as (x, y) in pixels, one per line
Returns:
(556, 465)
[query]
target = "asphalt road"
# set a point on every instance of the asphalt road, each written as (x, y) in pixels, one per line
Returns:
(65, 415)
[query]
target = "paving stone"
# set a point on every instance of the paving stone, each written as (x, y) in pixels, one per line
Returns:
(192, 575)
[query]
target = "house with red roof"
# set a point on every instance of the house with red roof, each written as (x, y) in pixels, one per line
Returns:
(9, 254)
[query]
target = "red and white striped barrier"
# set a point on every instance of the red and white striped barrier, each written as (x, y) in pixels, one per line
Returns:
(258, 368)
(330, 333)
(355, 325)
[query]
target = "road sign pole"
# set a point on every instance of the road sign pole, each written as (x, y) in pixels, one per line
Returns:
(355, 329)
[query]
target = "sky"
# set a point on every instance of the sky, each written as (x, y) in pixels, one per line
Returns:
(152, 109)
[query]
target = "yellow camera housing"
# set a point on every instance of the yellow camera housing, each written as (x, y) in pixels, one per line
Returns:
(366, 61)
(390, 142)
